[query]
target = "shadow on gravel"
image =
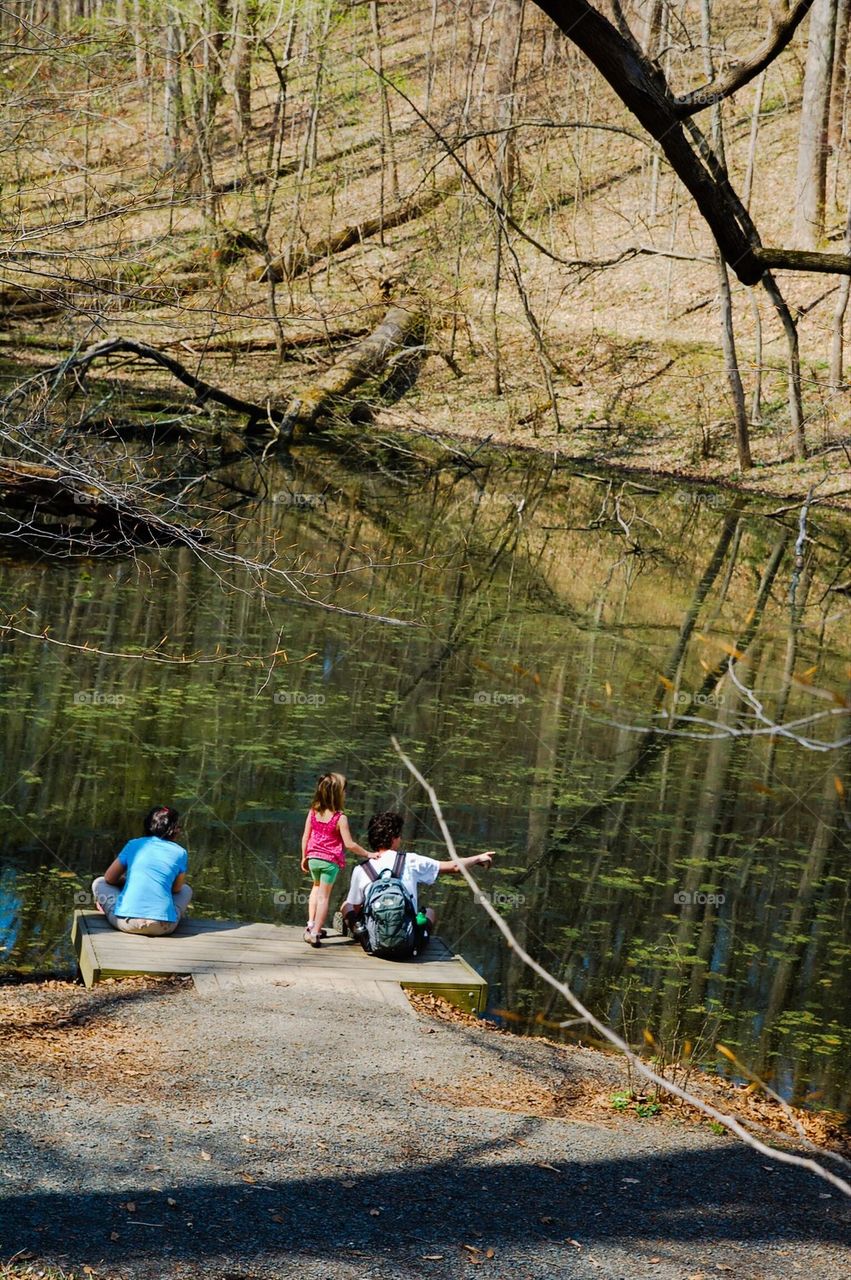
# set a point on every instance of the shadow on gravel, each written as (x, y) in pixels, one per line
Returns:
(723, 1195)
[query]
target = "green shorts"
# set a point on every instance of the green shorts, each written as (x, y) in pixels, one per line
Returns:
(323, 871)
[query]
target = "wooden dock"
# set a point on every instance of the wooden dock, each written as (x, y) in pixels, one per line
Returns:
(227, 953)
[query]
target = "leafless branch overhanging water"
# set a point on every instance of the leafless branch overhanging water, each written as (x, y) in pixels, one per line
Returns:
(639, 1065)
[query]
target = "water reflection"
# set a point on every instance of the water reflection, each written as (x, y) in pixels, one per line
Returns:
(695, 885)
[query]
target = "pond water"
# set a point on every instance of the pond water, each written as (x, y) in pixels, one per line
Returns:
(564, 684)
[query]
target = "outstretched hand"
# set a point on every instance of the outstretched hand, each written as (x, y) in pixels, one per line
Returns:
(485, 859)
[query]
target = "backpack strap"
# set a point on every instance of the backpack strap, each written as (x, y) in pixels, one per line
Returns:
(370, 870)
(399, 865)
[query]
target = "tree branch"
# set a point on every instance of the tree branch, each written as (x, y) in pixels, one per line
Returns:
(729, 1122)
(804, 260)
(204, 391)
(643, 89)
(782, 25)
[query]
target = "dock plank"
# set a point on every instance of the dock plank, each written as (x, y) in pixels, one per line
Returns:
(229, 954)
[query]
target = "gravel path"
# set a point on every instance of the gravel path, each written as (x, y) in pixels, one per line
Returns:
(148, 1132)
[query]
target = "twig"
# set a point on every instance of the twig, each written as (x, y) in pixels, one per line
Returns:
(668, 1086)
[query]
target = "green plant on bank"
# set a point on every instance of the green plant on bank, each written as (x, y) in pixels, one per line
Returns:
(626, 1100)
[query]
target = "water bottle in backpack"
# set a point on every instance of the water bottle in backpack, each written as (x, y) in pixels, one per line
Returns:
(389, 915)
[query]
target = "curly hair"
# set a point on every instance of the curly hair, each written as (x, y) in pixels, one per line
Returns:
(383, 829)
(161, 821)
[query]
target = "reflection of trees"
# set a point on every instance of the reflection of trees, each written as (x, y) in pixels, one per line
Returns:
(490, 589)
(803, 932)
(654, 744)
(702, 946)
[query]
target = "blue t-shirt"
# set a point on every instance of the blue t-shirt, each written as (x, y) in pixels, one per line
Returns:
(152, 865)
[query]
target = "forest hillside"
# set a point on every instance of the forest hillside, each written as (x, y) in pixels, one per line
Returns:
(251, 188)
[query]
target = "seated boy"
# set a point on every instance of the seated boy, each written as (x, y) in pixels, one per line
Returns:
(385, 836)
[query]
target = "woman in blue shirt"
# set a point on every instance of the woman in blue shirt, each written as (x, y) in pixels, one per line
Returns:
(144, 890)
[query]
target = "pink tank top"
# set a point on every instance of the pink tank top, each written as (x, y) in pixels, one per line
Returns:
(325, 841)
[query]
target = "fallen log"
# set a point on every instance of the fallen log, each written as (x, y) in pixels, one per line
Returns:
(239, 344)
(296, 262)
(41, 490)
(32, 303)
(402, 326)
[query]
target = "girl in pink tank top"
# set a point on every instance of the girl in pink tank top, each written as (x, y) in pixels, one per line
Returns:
(325, 838)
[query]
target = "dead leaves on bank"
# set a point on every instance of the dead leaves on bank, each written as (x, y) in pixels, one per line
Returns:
(587, 1099)
(57, 1026)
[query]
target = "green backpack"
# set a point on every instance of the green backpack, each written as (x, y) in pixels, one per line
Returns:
(389, 914)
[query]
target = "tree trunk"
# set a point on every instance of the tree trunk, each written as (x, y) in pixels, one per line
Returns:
(651, 27)
(728, 337)
(508, 53)
(796, 410)
(837, 342)
(836, 129)
(387, 149)
(140, 45)
(171, 87)
(810, 182)
(242, 56)
(652, 37)
(747, 185)
(731, 366)
(505, 159)
(756, 394)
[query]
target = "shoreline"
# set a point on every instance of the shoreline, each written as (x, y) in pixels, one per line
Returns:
(429, 415)
(782, 489)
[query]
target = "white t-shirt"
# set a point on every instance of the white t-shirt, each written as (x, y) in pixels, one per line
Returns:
(417, 870)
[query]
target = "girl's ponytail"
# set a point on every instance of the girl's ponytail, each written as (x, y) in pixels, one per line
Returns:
(330, 792)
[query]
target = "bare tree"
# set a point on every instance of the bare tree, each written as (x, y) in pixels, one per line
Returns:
(728, 337)
(811, 179)
(667, 117)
